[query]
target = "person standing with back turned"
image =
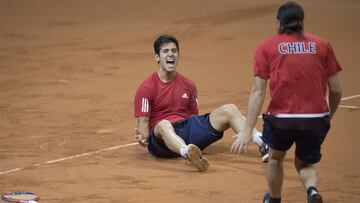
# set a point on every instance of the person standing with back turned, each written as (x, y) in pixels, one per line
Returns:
(299, 66)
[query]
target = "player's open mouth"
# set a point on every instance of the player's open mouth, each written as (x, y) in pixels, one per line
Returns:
(172, 62)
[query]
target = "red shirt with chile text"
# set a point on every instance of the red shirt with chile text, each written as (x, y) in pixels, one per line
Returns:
(298, 68)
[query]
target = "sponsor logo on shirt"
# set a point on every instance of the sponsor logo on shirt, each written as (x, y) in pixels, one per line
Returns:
(185, 96)
(297, 48)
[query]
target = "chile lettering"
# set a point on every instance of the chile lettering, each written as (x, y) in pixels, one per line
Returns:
(297, 48)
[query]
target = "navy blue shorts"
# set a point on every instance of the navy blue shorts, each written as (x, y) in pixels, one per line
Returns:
(195, 130)
(307, 133)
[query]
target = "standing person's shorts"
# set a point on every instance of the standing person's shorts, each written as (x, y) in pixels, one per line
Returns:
(195, 130)
(307, 133)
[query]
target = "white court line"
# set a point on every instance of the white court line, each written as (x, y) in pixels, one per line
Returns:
(350, 97)
(68, 158)
(349, 107)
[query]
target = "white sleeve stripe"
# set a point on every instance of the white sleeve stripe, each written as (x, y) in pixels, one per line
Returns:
(145, 105)
(142, 105)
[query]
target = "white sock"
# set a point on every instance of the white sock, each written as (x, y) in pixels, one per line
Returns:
(184, 151)
(256, 138)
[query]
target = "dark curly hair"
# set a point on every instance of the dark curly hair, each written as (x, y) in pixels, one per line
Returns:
(291, 16)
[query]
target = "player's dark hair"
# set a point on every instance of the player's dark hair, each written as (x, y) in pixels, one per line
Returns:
(291, 16)
(163, 39)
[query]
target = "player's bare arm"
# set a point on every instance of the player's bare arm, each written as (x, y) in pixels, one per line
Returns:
(334, 94)
(256, 100)
(142, 131)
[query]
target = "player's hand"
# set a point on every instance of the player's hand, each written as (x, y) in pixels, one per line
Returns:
(240, 142)
(143, 141)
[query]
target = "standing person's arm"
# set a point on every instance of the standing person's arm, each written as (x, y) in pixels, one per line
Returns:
(142, 131)
(334, 94)
(332, 68)
(256, 101)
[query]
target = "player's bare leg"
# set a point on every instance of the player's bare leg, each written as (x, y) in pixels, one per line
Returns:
(229, 116)
(165, 131)
(307, 173)
(275, 173)
(309, 177)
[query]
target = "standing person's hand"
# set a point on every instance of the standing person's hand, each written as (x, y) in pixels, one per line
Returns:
(143, 141)
(240, 142)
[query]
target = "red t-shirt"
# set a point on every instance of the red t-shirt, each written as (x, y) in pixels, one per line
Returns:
(172, 101)
(298, 69)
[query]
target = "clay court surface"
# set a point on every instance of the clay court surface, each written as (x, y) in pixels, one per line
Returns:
(69, 70)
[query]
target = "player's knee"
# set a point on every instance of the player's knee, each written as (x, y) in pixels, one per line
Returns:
(163, 124)
(229, 110)
(161, 128)
(274, 162)
(299, 164)
(232, 107)
(276, 155)
(273, 159)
